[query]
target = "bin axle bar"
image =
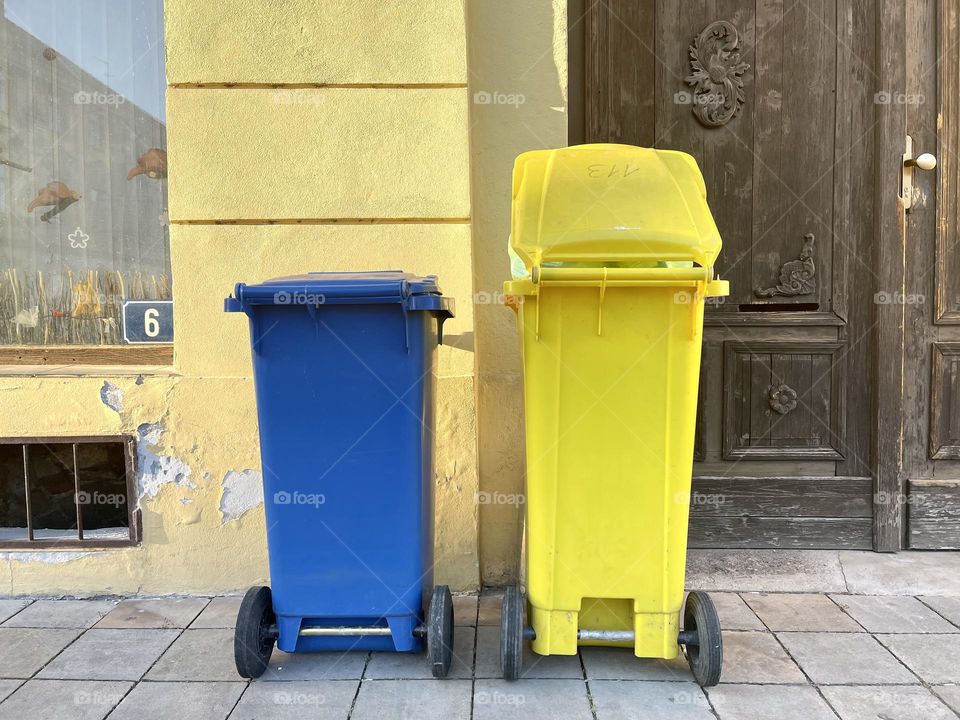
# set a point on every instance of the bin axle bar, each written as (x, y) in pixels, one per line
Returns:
(607, 635)
(341, 631)
(686, 637)
(419, 632)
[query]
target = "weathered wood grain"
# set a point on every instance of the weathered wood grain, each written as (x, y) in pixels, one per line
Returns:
(781, 533)
(934, 515)
(718, 496)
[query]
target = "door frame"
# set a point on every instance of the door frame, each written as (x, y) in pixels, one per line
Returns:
(889, 329)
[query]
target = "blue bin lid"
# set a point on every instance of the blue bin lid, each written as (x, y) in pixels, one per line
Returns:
(414, 292)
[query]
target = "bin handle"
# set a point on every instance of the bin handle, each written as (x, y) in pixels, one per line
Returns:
(603, 291)
(442, 316)
(619, 277)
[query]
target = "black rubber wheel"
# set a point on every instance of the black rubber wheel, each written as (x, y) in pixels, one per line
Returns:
(706, 654)
(440, 631)
(254, 637)
(511, 633)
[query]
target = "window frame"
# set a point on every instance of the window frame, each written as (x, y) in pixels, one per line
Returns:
(134, 519)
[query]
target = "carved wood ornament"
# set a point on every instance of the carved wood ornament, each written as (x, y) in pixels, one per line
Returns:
(782, 399)
(797, 277)
(717, 74)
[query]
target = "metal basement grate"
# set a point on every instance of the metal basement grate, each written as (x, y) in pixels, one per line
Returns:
(64, 492)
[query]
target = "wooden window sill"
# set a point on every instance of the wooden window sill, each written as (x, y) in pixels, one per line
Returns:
(67, 357)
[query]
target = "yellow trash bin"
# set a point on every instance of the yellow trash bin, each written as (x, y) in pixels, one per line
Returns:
(620, 245)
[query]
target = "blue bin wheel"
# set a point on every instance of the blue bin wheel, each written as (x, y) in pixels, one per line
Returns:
(511, 633)
(255, 633)
(440, 631)
(704, 647)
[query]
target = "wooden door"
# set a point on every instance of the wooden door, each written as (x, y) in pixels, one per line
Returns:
(931, 296)
(789, 107)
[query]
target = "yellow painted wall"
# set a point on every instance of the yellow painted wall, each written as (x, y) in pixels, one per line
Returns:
(322, 115)
(515, 50)
(372, 173)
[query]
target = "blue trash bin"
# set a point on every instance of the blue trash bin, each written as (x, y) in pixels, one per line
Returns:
(343, 371)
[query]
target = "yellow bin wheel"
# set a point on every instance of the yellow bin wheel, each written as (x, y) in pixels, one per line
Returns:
(703, 638)
(511, 633)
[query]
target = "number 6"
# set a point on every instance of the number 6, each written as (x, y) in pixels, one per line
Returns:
(151, 325)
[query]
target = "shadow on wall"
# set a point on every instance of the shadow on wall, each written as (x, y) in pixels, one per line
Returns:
(517, 85)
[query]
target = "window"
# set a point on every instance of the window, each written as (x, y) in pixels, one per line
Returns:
(67, 492)
(83, 167)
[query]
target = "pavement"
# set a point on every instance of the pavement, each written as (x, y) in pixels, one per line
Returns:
(807, 635)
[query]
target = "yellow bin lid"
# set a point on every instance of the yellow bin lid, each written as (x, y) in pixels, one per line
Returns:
(611, 203)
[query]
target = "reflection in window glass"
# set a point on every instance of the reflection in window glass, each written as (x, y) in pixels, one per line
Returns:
(83, 167)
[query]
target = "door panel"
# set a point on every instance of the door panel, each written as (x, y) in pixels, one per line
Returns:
(778, 101)
(932, 295)
(783, 401)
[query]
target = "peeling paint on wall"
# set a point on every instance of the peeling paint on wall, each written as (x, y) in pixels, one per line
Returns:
(157, 470)
(112, 396)
(242, 491)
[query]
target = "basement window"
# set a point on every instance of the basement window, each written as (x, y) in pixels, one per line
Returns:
(67, 493)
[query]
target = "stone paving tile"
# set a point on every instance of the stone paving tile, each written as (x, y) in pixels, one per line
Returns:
(886, 703)
(23, 651)
(62, 699)
(157, 613)
(765, 570)
(61, 614)
(390, 699)
(845, 658)
(935, 658)
(285, 667)
(917, 573)
(757, 657)
(489, 607)
(315, 699)
(179, 701)
(893, 614)
(220, 613)
(603, 663)
(950, 694)
(8, 686)
(793, 611)
(531, 700)
(734, 613)
(110, 655)
(556, 667)
(627, 700)
(948, 607)
(769, 702)
(11, 606)
(415, 666)
(198, 655)
(465, 609)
